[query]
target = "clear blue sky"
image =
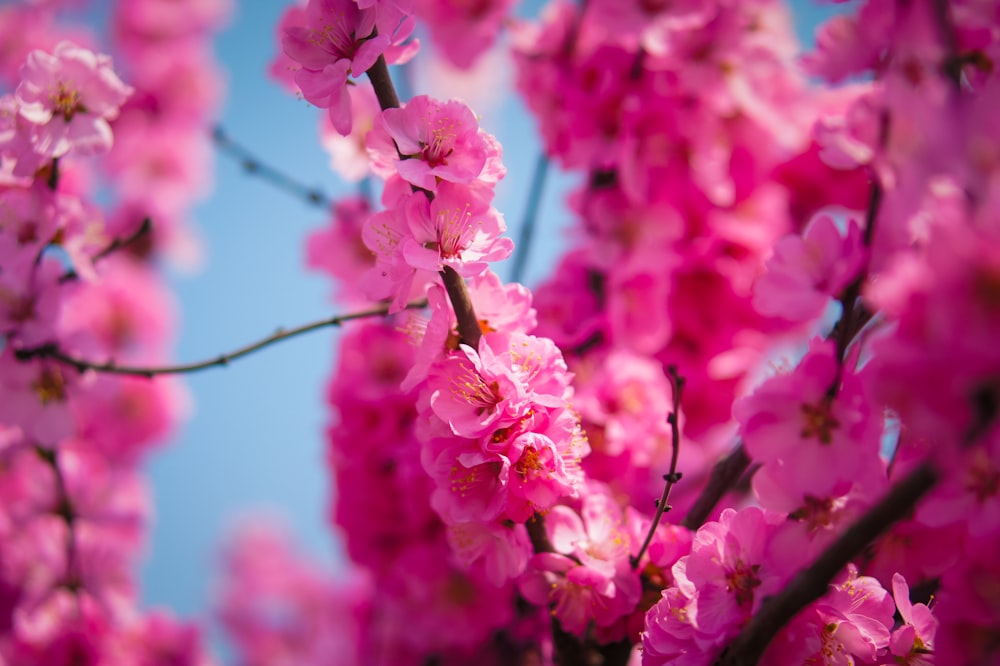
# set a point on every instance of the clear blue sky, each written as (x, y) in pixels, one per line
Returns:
(255, 438)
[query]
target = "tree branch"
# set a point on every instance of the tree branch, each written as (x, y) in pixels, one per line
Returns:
(115, 245)
(279, 179)
(811, 583)
(527, 232)
(725, 473)
(378, 74)
(52, 351)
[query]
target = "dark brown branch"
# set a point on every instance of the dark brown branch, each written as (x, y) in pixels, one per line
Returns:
(52, 351)
(673, 476)
(458, 293)
(812, 582)
(252, 165)
(539, 537)
(724, 475)
(378, 74)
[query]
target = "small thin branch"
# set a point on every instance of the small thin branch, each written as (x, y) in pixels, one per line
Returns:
(252, 165)
(725, 473)
(527, 231)
(539, 537)
(812, 582)
(115, 245)
(673, 476)
(51, 351)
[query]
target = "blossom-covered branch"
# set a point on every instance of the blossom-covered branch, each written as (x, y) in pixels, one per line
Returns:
(812, 582)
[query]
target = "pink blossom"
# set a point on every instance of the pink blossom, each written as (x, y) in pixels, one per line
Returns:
(339, 250)
(806, 271)
(477, 394)
(70, 95)
(850, 624)
(163, 20)
(727, 575)
(35, 395)
(499, 307)
(338, 39)
(419, 237)
(824, 438)
(624, 401)
(500, 549)
(669, 636)
(278, 607)
(30, 303)
(348, 155)
(17, 139)
(463, 30)
(428, 141)
(913, 643)
(589, 576)
(432, 606)
(283, 68)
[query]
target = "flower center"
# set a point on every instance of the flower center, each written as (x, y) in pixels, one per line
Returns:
(66, 102)
(819, 422)
(50, 386)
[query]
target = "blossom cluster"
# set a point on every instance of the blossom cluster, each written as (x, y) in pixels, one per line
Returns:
(782, 205)
(77, 280)
(732, 211)
(787, 258)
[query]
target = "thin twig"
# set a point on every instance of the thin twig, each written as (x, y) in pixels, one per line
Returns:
(253, 165)
(527, 231)
(811, 583)
(673, 476)
(113, 246)
(52, 351)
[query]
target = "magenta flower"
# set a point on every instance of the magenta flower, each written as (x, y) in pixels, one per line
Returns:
(806, 271)
(727, 574)
(35, 395)
(70, 95)
(428, 141)
(825, 440)
(589, 577)
(477, 393)
(338, 39)
(913, 643)
(849, 625)
(457, 228)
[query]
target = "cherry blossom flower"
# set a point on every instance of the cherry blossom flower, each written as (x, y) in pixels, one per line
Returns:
(428, 141)
(70, 95)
